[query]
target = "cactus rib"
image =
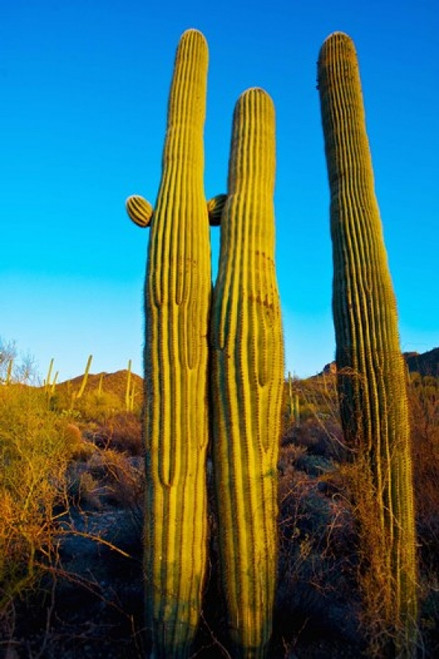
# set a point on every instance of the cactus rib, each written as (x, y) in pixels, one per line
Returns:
(247, 364)
(177, 300)
(371, 375)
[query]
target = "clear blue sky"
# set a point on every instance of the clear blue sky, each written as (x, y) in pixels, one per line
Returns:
(84, 86)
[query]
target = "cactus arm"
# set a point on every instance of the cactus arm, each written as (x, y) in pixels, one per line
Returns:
(371, 377)
(139, 210)
(177, 301)
(215, 208)
(247, 364)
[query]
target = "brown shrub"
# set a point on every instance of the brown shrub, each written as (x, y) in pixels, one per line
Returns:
(121, 432)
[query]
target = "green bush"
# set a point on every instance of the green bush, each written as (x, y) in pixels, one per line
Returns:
(34, 451)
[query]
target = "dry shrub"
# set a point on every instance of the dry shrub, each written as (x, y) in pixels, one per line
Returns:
(317, 587)
(125, 480)
(372, 575)
(317, 426)
(385, 634)
(89, 491)
(93, 406)
(424, 406)
(107, 477)
(79, 448)
(121, 432)
(34, 453)
(289, 455)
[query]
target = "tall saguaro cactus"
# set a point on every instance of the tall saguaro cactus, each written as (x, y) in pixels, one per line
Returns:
(177, 301)
(371, 375)
(247, 378)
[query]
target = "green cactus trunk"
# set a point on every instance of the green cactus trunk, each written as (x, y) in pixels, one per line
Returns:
(371, 374)
(247, 378)
(177, 299)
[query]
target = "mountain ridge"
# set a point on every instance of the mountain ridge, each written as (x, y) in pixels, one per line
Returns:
(424, 363)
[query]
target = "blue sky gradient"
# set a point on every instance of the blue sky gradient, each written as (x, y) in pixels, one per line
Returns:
(84, 89)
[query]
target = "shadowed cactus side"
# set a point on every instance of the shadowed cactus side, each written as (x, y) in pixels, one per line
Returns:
(371, 372)
(247, 378)
(177, 302)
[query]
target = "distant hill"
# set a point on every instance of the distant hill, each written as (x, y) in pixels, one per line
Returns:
(426, 363)
(114, 383)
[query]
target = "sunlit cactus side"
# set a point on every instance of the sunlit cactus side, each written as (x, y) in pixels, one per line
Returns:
(371, 372)
(139, 210)
(177, 302)
(247, 378)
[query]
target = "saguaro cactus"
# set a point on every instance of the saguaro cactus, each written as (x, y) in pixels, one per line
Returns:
(247, 378)
(177, 301)
(371, 375)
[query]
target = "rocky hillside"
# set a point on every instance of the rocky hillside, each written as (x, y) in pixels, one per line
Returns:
(114, 383)
(426, 363)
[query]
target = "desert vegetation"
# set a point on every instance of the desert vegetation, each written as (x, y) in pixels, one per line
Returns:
(215, 509)
(72, 498)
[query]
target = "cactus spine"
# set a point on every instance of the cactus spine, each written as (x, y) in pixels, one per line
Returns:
(177, 302)
(247, 380)
(371, 375)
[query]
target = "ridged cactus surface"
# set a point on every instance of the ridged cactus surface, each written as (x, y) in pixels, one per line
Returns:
(139, 210)
(371, 373)
(247, 378)
(177, 301)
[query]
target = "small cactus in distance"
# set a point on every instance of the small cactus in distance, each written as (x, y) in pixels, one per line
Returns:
(247, 378)
(293, 403)
(100, 385)
(128, 389)
(85, 378)
(370, 370)
(47, 381)
(8, 379)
